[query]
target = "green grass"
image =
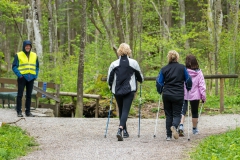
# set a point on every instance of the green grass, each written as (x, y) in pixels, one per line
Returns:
(14, 142)
(219, 147)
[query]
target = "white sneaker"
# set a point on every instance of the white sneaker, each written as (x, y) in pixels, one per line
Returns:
(174, 132)
(195, 131)
(168, 138)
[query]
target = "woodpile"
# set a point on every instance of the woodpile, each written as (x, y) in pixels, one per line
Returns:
(68, 110)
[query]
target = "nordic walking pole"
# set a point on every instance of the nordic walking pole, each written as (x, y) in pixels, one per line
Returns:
(157, 116)
(188, 116)
(109, 113)
(139, 111)
(200, 112)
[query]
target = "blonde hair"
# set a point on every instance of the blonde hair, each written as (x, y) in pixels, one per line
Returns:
(173, 56)
(124, 49)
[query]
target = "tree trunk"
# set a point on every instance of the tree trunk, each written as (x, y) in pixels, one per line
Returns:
(29, 23)
(233, 28)
(106, 28)
(69, 29)
(55, 42)
(181, 4)
(166, 27)
(131, 25)
(167, 13)
(125, 11)
(37, 34)
(215, 18)
(50, 26)
(33, 28)
(79, 107)
(116, 10)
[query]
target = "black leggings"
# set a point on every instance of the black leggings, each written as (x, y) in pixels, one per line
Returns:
(194, 108)
(124, 104)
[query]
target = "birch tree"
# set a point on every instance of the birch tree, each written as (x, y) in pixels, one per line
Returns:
(34, 33)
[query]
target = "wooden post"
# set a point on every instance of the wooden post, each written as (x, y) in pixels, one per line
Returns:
(57, 88)
(221, 95)
(96, 109)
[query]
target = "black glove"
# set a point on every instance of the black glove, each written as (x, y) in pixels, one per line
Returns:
(203, 101)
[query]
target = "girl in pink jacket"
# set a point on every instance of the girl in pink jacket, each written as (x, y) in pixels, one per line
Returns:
(197, 93)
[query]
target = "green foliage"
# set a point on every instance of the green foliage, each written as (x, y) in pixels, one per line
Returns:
(162, 117)
(216, 147)
(14, 142)
(11, 11)
(132, 111)
(154, 110)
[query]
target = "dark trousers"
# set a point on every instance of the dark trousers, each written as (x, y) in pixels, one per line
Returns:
(22, 83)
(172, 108)
(194, 108)
(124, 104)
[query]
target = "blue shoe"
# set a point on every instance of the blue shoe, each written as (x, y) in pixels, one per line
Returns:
(180, 131)
(195, 131)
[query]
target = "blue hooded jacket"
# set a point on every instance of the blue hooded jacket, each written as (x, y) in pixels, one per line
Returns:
(15, 64)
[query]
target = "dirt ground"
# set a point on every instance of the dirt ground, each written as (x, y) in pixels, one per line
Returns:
(83, 138)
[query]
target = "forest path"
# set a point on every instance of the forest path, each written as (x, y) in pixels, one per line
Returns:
(83, 138)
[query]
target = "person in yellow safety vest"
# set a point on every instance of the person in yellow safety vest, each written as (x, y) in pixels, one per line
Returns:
(25, 66)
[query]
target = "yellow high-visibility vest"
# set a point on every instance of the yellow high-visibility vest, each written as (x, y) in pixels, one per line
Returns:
(27, 65)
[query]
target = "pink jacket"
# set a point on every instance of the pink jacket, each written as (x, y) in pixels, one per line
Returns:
(198, 91)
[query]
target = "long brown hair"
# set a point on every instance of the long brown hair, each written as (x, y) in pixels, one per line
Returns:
(191, 62)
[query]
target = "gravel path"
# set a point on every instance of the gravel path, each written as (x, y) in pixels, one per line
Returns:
(83, 138)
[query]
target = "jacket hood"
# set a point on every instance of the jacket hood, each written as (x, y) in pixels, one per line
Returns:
(26, 42)
(194, 73)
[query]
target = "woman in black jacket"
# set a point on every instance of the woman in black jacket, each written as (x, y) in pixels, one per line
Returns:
(123, 75)
(170, 83)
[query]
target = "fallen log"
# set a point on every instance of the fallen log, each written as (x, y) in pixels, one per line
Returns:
(14, 122)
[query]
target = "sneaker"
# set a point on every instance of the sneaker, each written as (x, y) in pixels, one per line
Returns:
(119, 134)
(19, 114)
(30, 114)
(125, 133)
(168, 138)
(180, 131)
(195, 131)
(174, 132)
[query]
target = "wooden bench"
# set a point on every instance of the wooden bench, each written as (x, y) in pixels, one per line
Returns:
(8, 91)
